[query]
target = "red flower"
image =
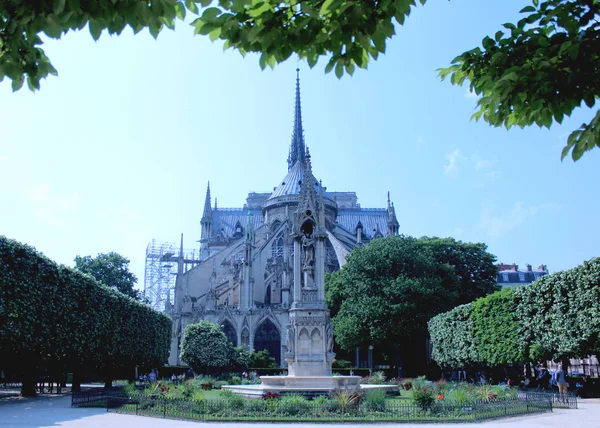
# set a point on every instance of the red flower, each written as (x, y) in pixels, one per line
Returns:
(424, 389)
(441, 397)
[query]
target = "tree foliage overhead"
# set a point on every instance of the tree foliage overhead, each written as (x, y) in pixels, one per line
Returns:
(539, 70)
(533, 72)
(110, 269)
(388, 290)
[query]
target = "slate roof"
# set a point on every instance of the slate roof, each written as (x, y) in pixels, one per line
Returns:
(291, 183)
(225, 219)
(371, 219)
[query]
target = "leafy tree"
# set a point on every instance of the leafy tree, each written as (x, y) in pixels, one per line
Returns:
(556, 317)
(57, 319)
(539, 70)
(112, 270)
(496, 328)
(205, 348)
(560, 313)
(262, 359)
(240, 358)
(451, 333)
(388, 290)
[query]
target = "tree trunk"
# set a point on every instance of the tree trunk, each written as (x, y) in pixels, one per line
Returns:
(76, 382)
(108, 379)
(28, 386)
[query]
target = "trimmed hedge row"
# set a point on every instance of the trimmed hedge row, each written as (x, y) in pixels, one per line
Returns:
(53, 317)
(556, 317)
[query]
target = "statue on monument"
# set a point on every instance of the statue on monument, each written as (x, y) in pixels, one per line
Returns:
(329, 338)
(290, 339)
(309, 250)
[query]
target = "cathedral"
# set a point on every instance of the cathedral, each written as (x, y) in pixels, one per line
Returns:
(248, 277)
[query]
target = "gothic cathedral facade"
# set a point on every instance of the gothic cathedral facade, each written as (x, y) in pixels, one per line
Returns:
(247, 279)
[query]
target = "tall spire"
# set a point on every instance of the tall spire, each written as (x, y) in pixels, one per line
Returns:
(207, 214)
(297, 149)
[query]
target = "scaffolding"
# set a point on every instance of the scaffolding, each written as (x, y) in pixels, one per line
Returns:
(160, 272)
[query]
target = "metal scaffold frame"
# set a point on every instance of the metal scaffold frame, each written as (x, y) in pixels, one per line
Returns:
(160, 272)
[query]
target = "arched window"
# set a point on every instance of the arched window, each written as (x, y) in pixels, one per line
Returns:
(277, 248)
(229, 331)
(267, 337)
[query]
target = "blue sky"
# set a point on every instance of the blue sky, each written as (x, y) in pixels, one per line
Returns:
(118, 149)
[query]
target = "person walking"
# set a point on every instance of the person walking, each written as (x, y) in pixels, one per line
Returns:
(561, 381)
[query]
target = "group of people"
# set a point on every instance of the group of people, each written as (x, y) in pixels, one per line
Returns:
(150, 377)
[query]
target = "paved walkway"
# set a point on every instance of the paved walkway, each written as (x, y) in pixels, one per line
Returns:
(54, 411)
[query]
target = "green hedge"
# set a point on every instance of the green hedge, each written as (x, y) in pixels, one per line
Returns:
(555, 317)
(56, 318)
(452, 338)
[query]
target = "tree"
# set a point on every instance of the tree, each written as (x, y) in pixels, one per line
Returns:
(388, 290)
(556, 317)
(261, 359)
(205, 348)
(55, 319)
(240, 358)
(539, 71)
(451, 333)
(496, 328)
(112, 270)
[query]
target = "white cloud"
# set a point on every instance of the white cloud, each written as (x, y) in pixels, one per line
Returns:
(3, 158)
(454, 160)
(498, 225)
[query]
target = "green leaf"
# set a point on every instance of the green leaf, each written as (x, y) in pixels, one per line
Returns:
(95, 29)
(52, 27)
(589, 100)
(214, 34)
(211, 14)
(17, 83)
(180, 10)
(339, 70)
(154, 28)
(527, 9)
(59, 6)
(191, 5)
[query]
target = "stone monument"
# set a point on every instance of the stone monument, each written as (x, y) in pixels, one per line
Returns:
(309, 348)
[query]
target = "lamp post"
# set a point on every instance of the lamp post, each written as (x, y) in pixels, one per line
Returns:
(370, 359)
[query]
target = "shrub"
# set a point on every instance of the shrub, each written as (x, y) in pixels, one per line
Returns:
(346, 399)
(321, 400)
(342, 364)
(262, 359)
(293, 404)
(234, 400)
(374, 399)
(204, 347)
(424, 397)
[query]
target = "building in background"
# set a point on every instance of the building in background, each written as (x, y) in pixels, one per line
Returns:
(245, 277)
(511, 275)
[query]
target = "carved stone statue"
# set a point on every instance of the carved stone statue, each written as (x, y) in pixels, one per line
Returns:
(329, 334)
(309, 250)
(290, 339)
